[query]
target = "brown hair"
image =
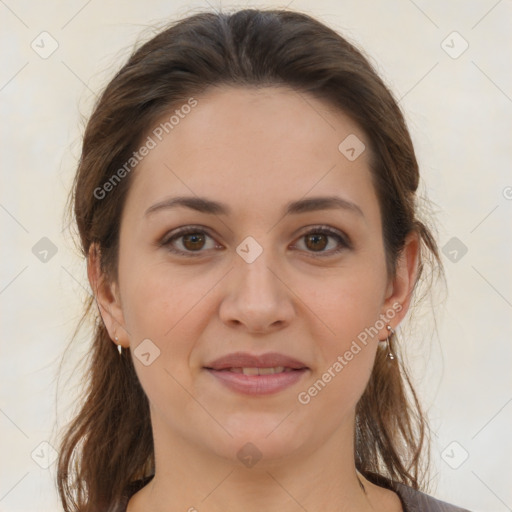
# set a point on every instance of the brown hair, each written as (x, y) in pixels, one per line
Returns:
(109, 443)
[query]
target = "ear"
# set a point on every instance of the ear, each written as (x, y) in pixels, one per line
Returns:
(400, 288)
(107, 298)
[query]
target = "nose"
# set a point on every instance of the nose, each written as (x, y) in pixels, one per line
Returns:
(257, 297)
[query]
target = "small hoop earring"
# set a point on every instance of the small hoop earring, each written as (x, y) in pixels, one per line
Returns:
(390, 333)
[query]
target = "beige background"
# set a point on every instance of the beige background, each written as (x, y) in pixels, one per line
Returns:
(459, 111)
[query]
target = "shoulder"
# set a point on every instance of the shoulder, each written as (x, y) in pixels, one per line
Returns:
(417, 501)
(413, 500)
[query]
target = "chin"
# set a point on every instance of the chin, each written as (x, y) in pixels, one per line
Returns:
(259, 441)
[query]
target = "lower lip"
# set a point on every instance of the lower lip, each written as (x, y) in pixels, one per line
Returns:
(258, 384)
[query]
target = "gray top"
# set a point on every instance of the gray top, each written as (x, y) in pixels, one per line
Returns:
(416, 501)
(412, 500)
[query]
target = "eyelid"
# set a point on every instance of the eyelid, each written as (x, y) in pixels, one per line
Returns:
(344, 240)
(331, 232)
(177, 233)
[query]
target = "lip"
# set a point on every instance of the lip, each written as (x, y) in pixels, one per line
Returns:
(256, 384)
(246, 360)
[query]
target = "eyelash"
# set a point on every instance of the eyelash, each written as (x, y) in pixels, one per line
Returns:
(324, 230)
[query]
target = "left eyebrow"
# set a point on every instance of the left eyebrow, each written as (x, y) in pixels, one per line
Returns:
(204, 205)
(322, 203)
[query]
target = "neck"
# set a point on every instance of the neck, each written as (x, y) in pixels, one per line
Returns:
(322, 478)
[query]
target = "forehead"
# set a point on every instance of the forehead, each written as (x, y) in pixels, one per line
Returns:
(255, 149)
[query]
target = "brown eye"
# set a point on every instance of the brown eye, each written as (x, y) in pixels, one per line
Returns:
(194, 241)
(316, 241)
(189, 241)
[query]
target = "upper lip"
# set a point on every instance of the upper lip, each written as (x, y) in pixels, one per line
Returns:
(246, 360)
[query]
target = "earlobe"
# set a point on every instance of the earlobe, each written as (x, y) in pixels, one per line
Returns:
(107, 297)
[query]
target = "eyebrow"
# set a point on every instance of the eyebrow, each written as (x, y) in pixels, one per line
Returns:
(204, 205)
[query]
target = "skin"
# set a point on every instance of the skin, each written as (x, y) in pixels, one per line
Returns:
(254, 150)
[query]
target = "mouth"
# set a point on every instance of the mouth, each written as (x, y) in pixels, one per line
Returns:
(245, 361)
(257, 375)
(259, 371)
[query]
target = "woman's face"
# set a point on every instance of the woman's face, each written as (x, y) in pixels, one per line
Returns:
(252, 277)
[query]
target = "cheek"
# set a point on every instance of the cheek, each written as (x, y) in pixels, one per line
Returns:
(334, 393)
(346, 358)
(348, 303)
(166, 309)
(349, 307)
(158, 300)
(170, 308)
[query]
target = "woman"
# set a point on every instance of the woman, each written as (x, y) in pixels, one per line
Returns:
(245, 200)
